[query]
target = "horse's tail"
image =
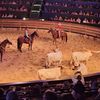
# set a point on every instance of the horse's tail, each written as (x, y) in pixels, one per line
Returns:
(18, 44)
(66, 37)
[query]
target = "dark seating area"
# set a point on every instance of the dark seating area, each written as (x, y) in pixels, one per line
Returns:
(78, 11)
(13, 9)
(61, 88)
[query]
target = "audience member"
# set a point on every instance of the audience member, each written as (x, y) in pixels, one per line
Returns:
(50, 95)
(94, 86)
(12, 94)
(98, 95)
(78, 89)
(1, 94)
(36, 91)
(74, 79)
(65, 96)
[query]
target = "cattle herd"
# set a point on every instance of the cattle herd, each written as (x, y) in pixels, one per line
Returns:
(78, 59)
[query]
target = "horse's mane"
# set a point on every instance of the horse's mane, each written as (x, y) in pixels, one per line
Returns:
(32, 33)
(4, 41)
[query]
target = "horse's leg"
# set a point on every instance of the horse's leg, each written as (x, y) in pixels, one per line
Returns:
(32, 43)
(60, 62)
(1, 56)
(19, 45)
(55, 42)
(20, 48)
(66, 38)
(62, 39)
(47, 64)
(30, 46)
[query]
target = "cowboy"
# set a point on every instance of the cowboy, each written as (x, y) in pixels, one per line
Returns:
(26, 34)
(27, 37)
(59, 29)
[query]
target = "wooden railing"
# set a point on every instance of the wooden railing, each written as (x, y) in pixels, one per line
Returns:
(72, 27)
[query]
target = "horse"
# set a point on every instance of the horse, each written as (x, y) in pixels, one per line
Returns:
(55, 34)
(3, 46)
(22, 39)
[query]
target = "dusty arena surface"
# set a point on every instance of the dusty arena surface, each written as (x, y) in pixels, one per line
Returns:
(21, 67)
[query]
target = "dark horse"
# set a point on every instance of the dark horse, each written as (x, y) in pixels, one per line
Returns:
(22, 40)
(56, 35)
(3, 46)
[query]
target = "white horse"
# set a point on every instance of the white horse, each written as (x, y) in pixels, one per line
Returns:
(54, 57)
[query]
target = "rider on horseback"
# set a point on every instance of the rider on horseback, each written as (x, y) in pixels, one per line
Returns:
(59, 29)
(26, 34)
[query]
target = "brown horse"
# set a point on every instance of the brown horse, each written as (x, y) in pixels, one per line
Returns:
(29, 41)
(3, 46)
(55, 34)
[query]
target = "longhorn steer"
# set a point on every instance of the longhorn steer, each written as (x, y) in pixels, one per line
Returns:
(54, 57)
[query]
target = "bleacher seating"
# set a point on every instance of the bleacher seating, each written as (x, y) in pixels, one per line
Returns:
(77, 11)
(36, 89)
(13, 9)
(72, 11)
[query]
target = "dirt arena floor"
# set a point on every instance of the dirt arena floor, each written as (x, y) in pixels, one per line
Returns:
(21, 67)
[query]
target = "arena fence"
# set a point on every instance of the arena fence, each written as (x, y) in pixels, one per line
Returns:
(85, 30)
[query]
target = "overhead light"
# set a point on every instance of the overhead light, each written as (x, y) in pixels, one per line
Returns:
(24, 18)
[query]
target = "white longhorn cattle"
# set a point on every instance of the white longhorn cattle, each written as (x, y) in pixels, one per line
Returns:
(81, 56)
(82, 68)
(51, 73)
(54, 57)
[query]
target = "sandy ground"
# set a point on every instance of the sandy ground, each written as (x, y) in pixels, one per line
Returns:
(20, 67)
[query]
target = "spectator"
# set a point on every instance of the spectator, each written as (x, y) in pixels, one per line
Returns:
(74, 79)
(94, 86)
(50, 95)
(78, 89)
(12, 94)
(98, 95)
(1, 94)
(36, 91)
(65, 96)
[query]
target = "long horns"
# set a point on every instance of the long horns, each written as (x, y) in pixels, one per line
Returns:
(93, 51)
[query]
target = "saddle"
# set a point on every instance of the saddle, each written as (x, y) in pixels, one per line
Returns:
(26, 39)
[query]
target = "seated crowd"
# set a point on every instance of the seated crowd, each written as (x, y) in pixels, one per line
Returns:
(76, 11)
(9, 7)
(77, 88)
